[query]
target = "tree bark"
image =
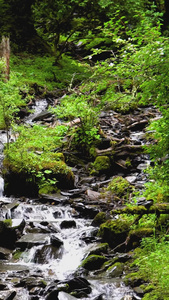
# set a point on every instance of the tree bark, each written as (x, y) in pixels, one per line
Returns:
(166, 15)
(5, 54)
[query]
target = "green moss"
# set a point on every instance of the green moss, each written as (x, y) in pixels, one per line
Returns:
(119, 186)
(115, 270)
(133, 279)
(17, 254)
(99, 249)
(99, 218)
(48, 189)
(101, 164)
(8, 222)
(93, 262)
(115, 226)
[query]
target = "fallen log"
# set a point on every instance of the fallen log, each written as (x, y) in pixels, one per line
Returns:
(160, 208)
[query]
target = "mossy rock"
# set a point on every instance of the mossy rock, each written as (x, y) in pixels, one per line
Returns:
(100, 218)
(114, 232)
(93, 262)
(119, 186)
(56, 175)
(8, 234)
(135, 236)
(99, 249)
(133, 279)
(116, 270)
(101, 164)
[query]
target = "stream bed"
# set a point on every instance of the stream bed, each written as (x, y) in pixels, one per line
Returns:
(55, 233)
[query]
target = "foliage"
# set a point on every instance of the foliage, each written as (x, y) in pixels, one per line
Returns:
(55, 18)
(33, 153)
(10, 100)
(153, 266)
(86, 132)
(41, 71)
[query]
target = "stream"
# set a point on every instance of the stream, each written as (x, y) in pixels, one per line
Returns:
(58, 235)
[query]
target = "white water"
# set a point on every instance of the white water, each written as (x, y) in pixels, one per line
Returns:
(1, 187)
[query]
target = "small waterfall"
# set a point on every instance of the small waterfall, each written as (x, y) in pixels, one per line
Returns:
(1, 186)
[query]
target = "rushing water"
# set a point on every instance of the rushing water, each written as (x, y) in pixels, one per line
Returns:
(70, 255)
(44, 221)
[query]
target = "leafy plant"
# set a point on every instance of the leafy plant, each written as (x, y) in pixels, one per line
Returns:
(86, 131)
(10, 100)
(153, 266)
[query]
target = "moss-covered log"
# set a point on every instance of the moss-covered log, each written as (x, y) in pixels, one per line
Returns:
(160, 208)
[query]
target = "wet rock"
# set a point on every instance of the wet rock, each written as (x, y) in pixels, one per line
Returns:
(68, 224)
(100, 297)
(5, 253)
(54, 198)
(9, 234)
(3, 286)
(114, 232)
(99, 249)
(115, 270)
(46, 253)
(30, 240)
(138, 290)
(88, 211)
(77, 283)
(92, 195)
(56, 242)
(53, 295)
(10, 296)
(41, 116)
(100, 218)
(31, 282)
(64, 296)
(90, 238)
(93, 262)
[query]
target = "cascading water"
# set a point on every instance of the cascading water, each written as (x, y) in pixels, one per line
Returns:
(1, 187)
(44, 221)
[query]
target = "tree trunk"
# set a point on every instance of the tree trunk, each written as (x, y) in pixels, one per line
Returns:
(166, 15)
(5, 54)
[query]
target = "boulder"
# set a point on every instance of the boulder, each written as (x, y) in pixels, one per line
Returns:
(114, 232)
(32, 239)
(93, 262)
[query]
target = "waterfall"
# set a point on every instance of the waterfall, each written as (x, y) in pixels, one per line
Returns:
(1, 186)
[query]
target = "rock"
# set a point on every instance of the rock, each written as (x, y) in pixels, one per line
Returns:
(53, 295)
(77, 283)
(10, 296)
(101, 164)
(138, 291)
(63, 296)
(3, 286)
(30, 240)
(115, 270)
(41, 116)
(56, 242)
(100, 218)
(9, 234)
(92, 195)
(93, 262)
(31, 282)
(68, 224)
(54, 198)
(85, 210)
(46, 253)
(114, 232)
(5, 253)
(99, 249)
